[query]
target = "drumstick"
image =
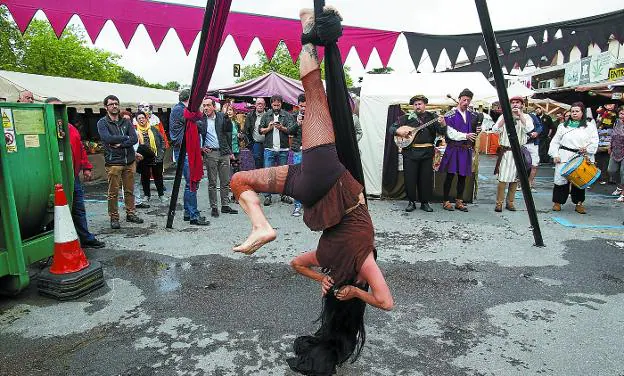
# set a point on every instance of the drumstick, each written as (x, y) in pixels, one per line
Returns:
(449, 96)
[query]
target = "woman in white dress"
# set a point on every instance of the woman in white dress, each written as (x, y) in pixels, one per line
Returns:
(505, 169)
(575, 136)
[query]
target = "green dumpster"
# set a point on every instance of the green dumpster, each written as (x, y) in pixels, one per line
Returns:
(35, 154)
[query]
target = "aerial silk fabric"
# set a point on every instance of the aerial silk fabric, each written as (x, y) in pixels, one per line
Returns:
(340, 111)
(214, 22)
(391, 151)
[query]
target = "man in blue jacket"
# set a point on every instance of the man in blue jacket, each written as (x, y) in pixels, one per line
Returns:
(177, 125)
(118, 138)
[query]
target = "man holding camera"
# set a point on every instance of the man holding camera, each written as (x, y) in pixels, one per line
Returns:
(275, 125)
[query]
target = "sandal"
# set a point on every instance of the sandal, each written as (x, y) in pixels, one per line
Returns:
(459, 205)
(446, 205)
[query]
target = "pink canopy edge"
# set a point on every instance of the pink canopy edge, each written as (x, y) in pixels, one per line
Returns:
(159, 17)
(266, 85)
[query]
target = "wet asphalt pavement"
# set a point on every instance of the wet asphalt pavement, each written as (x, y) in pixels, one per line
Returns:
(473, 296)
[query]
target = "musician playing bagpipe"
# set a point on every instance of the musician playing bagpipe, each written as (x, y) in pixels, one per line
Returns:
(415, 133)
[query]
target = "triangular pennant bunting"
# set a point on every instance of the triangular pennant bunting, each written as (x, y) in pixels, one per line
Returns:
(22, 16)
(93, 25)
(58, 20)
(157, 34)
(126, 30)
(187, 38)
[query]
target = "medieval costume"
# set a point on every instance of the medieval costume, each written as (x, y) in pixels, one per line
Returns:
(334, 204)
(457, 158)
(418, 156)
(506, 171)
(573, 137)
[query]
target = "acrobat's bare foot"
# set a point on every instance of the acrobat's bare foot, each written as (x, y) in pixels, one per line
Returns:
(258, 237)
(308, 59)
(307, 16)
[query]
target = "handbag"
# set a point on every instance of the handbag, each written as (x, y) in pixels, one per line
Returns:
(528, 161)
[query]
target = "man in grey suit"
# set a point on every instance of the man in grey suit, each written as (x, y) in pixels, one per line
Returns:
(217, 150)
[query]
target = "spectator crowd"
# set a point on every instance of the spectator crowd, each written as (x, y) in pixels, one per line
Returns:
(135, 144)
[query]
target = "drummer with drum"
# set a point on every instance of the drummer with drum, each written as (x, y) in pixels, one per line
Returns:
(572, 149)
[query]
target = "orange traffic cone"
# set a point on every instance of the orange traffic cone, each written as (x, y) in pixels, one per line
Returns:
(68, 255)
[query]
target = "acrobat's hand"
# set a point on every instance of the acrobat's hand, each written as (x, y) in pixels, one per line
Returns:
(326, 284)
(346, 293)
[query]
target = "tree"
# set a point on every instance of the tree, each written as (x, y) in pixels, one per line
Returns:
(68, 56)
(11, 43)
(385, 70)
(280, 63)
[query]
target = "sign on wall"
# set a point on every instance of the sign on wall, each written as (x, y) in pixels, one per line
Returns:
(593, 68)
(616, 73)
(572, 74)
(600, 64)
(585, 77)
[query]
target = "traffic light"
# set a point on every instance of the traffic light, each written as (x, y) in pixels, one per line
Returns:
(236, 70)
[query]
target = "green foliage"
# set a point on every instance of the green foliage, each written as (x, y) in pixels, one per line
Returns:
(67, 56)
(39, 51)
(11, 43)
(385, 70)
(171, 85)
(282, 64)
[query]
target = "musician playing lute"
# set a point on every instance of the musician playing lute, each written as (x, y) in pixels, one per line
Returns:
(418, 155)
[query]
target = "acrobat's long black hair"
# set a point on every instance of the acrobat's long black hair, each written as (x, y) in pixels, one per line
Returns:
(340, 337)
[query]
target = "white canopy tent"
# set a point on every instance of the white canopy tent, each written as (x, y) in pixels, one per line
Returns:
(82, 94)
(516, 88)
(379, 91)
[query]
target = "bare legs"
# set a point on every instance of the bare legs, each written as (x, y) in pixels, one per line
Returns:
(244, 185)
(317, 129)
(532, 176)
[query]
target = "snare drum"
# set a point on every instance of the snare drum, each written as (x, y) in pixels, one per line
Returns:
(580, 172)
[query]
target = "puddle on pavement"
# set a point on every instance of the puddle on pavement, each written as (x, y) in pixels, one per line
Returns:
(129, 232)
(166, 276)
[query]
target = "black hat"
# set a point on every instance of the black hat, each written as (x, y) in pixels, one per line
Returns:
(466, 93)
(418, 97)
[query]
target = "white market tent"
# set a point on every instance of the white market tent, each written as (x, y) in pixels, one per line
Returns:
(516, 88)
(379, 91)
(82, 94)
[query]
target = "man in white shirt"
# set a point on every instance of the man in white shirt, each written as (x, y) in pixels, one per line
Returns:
(274, 126)
(506, 170)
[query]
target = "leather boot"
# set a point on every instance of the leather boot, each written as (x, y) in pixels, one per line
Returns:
(500, 196)
(511, 195)
(580, 208)
(410, 207)
(499, 206)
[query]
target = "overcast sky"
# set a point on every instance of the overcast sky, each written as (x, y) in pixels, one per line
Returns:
(171, 63)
